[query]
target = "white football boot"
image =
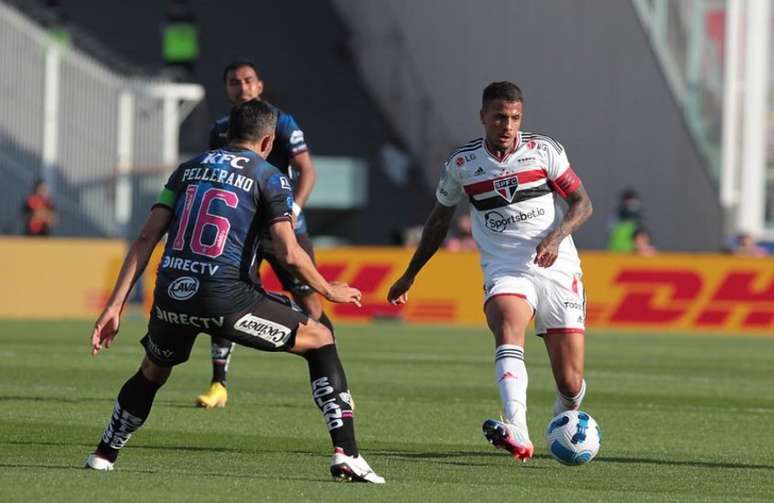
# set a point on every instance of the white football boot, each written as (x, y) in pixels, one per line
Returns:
(352, 469)
(95, 462)
(510, 437)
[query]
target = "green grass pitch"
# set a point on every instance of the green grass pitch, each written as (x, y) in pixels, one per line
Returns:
(685, 418)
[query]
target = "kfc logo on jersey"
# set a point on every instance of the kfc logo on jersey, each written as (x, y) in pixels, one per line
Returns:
(507, 187)
(183, 288)
(459, 161)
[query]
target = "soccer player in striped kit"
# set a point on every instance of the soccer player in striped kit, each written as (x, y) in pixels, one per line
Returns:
(525, 202)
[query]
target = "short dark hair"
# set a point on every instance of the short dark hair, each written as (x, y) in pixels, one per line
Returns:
(507, 91)
(239, 63)
(251, 120)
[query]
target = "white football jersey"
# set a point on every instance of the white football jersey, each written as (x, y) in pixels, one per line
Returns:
(514, 203)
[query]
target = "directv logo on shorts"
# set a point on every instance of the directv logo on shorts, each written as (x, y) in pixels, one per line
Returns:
(183, 288)
(496, 221)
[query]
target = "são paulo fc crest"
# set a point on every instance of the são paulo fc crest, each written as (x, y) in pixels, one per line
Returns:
(507, 187)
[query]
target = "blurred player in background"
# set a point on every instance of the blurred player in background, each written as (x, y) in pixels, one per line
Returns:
(530, 264)
(216, 208)
(38, 211)
(291, 156)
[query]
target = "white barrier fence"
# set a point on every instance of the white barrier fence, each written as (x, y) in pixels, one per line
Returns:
(81, 127)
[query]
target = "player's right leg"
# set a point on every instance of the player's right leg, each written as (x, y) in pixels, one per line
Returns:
(217, 394)
(165, 346)
(274, 323)
(314, 342)
(508, 313)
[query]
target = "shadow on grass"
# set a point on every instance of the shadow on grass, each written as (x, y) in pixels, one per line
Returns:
(53, 399)
(457, 458)
(165, 472)
(187, 448)
(697, 464)
(176, 404)
(436, 456)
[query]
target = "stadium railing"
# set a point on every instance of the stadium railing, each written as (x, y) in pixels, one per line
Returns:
(83, 128)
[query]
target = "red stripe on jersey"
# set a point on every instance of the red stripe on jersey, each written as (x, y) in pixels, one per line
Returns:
(565, 184)
(488, 185)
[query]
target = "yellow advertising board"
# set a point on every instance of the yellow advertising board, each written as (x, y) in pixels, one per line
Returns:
(677, 292)
(62, 278)
(696, 293)
(53, 278)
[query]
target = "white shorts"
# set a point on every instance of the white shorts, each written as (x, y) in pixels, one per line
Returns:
(558, 299)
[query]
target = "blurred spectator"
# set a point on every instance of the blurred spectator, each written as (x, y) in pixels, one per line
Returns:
(395, 163)
(38, 209)
(57, 23)
(463, 236)
(642, 243)
(747, 247)
(410, 236)
(626, 221)
(180, 40)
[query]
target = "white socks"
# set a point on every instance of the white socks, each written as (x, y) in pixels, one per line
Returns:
(511, 375)
(564, 403)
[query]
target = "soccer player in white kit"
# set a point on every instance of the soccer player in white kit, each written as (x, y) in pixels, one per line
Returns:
(518, 185)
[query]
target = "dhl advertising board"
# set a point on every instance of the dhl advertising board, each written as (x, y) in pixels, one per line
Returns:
(62, 278)
(53, 278)
(674, 292)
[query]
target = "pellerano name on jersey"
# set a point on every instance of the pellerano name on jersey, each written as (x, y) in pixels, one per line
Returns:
(218, 176)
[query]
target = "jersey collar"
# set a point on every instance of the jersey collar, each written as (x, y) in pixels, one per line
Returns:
(516, 146)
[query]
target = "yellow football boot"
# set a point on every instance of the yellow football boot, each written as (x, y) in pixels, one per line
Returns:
(216, 396)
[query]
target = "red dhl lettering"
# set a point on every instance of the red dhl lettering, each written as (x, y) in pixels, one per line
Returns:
(371, 278)
(641, 306)
(738, 290)
(664, 297)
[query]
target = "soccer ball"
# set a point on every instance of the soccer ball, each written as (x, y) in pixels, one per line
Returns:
(573, 437)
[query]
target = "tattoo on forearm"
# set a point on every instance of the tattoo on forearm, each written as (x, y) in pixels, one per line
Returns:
(433, 235)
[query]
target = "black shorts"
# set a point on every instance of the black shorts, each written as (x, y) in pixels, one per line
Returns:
(290, 283)
(269, 325)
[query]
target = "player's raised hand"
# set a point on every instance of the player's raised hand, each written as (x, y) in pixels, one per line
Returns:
(547, 251)
(398, 293)
(105, 330)
(342, 293)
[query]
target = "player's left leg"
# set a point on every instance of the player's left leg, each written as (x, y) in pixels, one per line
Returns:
(131, 409)
(566, 350)
(561, 324)
(165, 346)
